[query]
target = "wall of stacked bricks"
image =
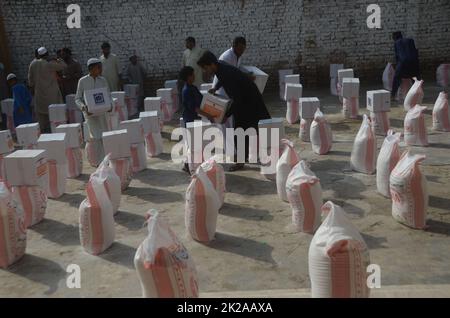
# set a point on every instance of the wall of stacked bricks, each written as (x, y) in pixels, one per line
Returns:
(305, 35)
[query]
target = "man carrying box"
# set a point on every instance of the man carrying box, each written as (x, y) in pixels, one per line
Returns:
(97, 124)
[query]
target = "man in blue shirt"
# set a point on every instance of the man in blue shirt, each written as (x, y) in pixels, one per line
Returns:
(22, 101)
(407, 58)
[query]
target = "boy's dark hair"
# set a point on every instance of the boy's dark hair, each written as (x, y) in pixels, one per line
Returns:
(207, 58)
(67, 51)
(239, 40)
(397, 35)
(106, 45)
(190, 39)
(185, 73)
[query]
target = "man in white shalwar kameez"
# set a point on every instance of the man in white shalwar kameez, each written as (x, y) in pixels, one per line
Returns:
(135, 73)
(111, 67)
(97, 124)
(190, 58)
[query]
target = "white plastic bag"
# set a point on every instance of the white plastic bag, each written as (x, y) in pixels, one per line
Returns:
(111, 181)
(350, 108)
(13, 235)
(123, 169)
(138, 157)
(57, 178)
(304, 194)
(388, 77)
(154, 144)
(216, 175)
(163, 265)
(441, 114)
(32, 200)
(409, 192)
(416, 133)
(97, 229)
(74, 162)
(364, 153)
(380, 123)
(305, 129)
(338, 258)
(414, 96)
(287, 161)
(321, 135)
(202, 208)
(387, 160)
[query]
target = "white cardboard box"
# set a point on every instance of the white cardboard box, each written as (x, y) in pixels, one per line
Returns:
(271, 124)
(293, 91)
(379, 101)
(117, 143)
(73, 133)
(28, 134)
(308, 107)
(150, 122)
(8, 106)
(135, 130)
(165, 94)
(292, 79)
(206, 86)
(55, 145)
(260, 76)
(57, 113)
(98, 100)
(152, 104)
(350, 87)
(70, 102)
(131, 90)
(215, 106)
(26, 168)
(282, 76)
(171, 84)
(345, 73)
(120, 96)
(6, 142)
(334, 68)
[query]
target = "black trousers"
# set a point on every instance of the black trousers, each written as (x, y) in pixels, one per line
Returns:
(407, 69)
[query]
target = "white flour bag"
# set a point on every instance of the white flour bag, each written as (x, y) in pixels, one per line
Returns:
(123, 169)
(154, 144)
(292, 111)
(350, 108)
(414, 96)
(13, 235)
(287, 161)
(321, 135)
(32, 200)
(387, 160)
(138, 157)
(163, 265)
(409, 191)
(74, 162)
(202, 208)
(380, 123)
(305, 129)
(441, 114)
(338, 257)
(416, 133)
(94, 152)
(388, 77)
(111, 181)
(97, 229)
(216, 175)
(57, 178)
(304, 194)
(364, 153)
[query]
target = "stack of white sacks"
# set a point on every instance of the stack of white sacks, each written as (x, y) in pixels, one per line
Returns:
(74, 143)
(166, 95)
(117, 145)
(334, 68)
(120, 107)
(132, 98)
(416, 133)
(321, 134)
(195, 143)
(7, 106)
(28, 135)
(57, 114)
(135, 131)
(74, 114)
(441, 113)
(292, 96)
(364, 153)
(282, 82)
(173, 85)
(153, 104)
(6, 148)
(56, 147)
(27, 175)
(152, 133)
(308, 108)
(350, 95)
(379, 105)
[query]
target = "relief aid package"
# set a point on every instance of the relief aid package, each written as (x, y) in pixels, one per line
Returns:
(57, 115)
(409, 192)
(215, 173)
(120, 107)
(293, 94)
(98, 101)
(173, 84)
(338, 257)
(27, 135)
(13, 235)
(364, 153)
(202, 208)
(111, 181)
(261, 77)
(74, 114)
(308, 107)
(416, 133)
(163, 265)
(6, 147)
(166, 103)
(380, 123)
(304, 194)
(152, 133)
(387, 160)
(321, 135)
(441, 114)
(131, 98)
(215, 106)
(135, 131)
(282, 81)
(414, 96)
(97, 229)
(74, 154)
(350, 94)
(32, 200)
(289, 158)
(124, 169)
(334, 68)
(388, 77)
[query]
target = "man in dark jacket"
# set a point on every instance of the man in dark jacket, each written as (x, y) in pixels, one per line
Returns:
(407, 58)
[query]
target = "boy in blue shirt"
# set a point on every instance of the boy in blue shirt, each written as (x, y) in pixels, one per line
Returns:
(22, 101)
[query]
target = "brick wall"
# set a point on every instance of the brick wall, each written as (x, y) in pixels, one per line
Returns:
(302, 34)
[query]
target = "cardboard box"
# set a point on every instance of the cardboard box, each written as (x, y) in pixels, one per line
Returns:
(131, 90)
(379, 101)
(28, 134)
(70, 102)
(308, 107)
(7, 106)
(73, 133)
(152, 104)
(293, 91)
(117, 143)
(6, 142)
(171, 84)
(204, 92)
(271, 124)
(292, 79)
(150, 122)
(98, 100)
(120, 97)
(334, 68)
(350, 87)
(215, 106)
(57, 113)
(27, 168)
(55, 146)
(282, 76)
(165, 94)
(345, 73)
(206, 86)
(135, 130)
(261, 77)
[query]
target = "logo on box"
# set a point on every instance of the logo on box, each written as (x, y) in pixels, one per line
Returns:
(99, 99)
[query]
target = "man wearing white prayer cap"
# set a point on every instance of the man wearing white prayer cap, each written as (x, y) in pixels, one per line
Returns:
(42, 78)
(96, 124)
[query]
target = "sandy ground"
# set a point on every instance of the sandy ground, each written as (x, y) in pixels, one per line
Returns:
(254, 247)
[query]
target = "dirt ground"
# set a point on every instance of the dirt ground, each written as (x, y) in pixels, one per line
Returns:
(254, 247)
